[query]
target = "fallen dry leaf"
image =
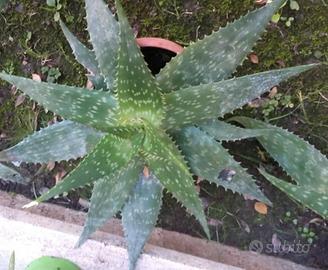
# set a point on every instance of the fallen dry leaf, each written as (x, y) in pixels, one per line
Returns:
(89, 85)
(146, 172)
(253, 58)
(36, 77)
(59, 176)
(19, 100)
(261, 2)
(273, 92)
(261, 208)
(51, 165)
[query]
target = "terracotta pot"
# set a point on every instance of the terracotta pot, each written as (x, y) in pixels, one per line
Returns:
(160, 43)
(158, 52)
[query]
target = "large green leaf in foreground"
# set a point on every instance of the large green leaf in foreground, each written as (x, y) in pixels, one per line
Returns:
(75, 140)
(216, 57)
(140, 214)
(93, 108)
(109, 195)
(209, 101)
(209, 160)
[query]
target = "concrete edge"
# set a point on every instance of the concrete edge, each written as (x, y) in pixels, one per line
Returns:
(208, 250)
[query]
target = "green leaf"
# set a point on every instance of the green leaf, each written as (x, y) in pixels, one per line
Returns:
(306, 195)
(223, 131)
(294, 5)
(108, 197)
(216, 57)
(51, 3)
(297, 157)
(169, 167)
(109, 156)
(61, 141)
(276, 18)
(84, 56)
(93, 108)
(11, 175)
(209, 101)
(138, 93)
(140, 214)
(104, 35)
(209, 160)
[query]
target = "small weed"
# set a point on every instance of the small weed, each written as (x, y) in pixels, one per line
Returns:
(307, 234)
(279, 101)
(52, 74)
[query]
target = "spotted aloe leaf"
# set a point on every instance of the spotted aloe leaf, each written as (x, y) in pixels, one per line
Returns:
(61, 141)
(109, 156)
(85, 57)
(208, 159)
(169, 167)
(140, 214)
(305, 164)
(209, 101)
(216, 57)
(309, 196)
(11, 175)
(223, 131)
(109, 195)
(93, 108)
(138, 93)
(104, 35)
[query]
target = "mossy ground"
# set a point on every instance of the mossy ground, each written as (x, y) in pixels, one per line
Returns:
(30, 39)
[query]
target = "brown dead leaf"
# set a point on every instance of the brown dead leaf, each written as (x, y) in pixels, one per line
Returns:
(260, 2)
(51, 165)
(273, 92)
(146, 172)
(281, 63)
(59, 176)
(36, 77)
(89, 85)
(253, 58)
(13, 90)
(261, 208)
(19, 100)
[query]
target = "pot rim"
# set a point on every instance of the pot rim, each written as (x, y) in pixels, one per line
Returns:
(160, 43)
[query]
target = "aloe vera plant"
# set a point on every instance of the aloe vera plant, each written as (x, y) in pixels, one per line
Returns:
(139, 134)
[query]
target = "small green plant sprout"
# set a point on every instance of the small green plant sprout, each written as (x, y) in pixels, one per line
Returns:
(293, 5)
(141, 134)
(52, 74)
(55, 6)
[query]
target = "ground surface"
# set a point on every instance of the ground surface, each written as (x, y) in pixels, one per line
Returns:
(31, 40)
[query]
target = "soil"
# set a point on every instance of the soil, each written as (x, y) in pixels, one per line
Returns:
(234, 220)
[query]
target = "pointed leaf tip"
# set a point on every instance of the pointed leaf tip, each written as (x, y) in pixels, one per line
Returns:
(139, 215)
(104, 35)
(217, 56)
(12, 175)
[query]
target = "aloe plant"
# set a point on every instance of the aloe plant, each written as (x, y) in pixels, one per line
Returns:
(141, 134)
